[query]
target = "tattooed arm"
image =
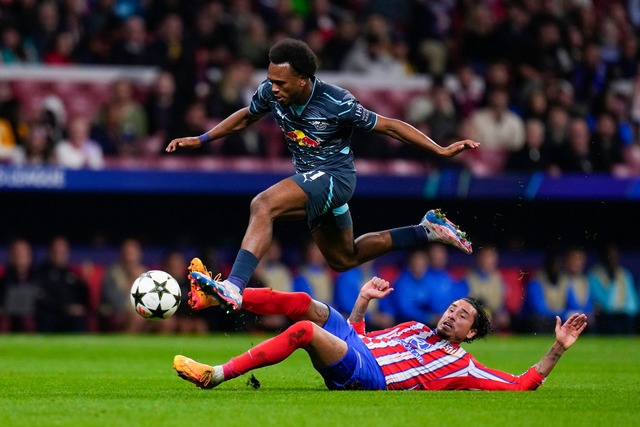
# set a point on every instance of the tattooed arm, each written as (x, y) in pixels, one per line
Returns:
(374, 288)
(566, 336)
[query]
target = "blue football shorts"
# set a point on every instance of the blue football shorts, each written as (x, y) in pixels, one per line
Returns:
(358, 369)
(328, 196)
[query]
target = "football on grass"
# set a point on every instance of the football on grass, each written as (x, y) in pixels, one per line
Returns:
(155, 295)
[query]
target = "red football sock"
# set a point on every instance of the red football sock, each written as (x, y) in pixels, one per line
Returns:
(268, 301)
(271, 351)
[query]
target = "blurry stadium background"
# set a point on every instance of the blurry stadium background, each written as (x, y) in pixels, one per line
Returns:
(91, 91)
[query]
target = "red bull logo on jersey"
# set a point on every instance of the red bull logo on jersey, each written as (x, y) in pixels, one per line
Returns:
(302, 139)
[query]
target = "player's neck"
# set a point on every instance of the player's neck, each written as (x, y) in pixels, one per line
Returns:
(305, 94)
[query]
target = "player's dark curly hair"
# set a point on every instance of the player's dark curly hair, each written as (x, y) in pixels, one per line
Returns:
(482, 320)
(297, 53)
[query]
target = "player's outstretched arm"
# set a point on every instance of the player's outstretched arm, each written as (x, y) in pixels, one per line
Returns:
(566, 335)
(375, 288)
(237, 121)
(408, 134)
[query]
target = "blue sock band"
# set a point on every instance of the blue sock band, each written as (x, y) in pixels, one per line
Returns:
(408, 237)
(243, 268)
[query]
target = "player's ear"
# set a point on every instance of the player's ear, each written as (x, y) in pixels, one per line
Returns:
(472, 333)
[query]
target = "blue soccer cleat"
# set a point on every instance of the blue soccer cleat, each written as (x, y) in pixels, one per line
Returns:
(440, 229)
(228, 295)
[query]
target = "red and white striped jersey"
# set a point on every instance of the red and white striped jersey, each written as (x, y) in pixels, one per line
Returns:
(413, 357)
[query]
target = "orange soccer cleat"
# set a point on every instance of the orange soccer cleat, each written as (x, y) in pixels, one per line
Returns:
(203, 376)
(198, 299)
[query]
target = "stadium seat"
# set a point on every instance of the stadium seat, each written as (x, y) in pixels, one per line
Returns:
(93, 274)
(514, 279)
(388, 272)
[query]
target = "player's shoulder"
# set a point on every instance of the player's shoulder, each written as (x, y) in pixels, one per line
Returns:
(264, 88)
(333, 93)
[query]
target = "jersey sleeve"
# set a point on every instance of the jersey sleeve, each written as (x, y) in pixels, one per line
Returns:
(359, 327)
(259, 102)
(482, 378)
(356, 116)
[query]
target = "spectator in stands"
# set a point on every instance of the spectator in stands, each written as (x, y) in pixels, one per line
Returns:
(443, 119)
(499, 128)
(614, 293)
(101, 25)
(122, 122)
(428, 31)
(53, 116)
(560, 289)
(11, 124)
(254, 43)
(443, 288)
(579, 297)
(73, 21)
(64, 298)
(79, 151)
(467, 88)
(547, 55)
(512, 33)
(626, 67)
(534, 156)
(412, 293)
(486, 284)
(232, 91)
(19, 291)
(546, 295)
(347, 290)
(617, 102)
(606, 148)
(272, 272)
(193, 121)
(216, 36)
(589, 78)
(115, 304)
(535, 105)
(62, 50)
(577, 155)
(478, 44)
(16, 50)
(557, 125)
(313, 275)
(323, 17)
(37, 150)
(372, 54)
(186, 321)
(44, 34)
(171, 52)
(132, 48)
(337, 48)
(498, 75)
(163, 107)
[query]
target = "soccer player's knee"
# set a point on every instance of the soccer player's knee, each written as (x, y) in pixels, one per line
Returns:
(300, 333)
(259, 205)
(340, 264)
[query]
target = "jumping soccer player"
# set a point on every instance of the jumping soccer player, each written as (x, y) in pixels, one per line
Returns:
(317, 120)
(409, 356)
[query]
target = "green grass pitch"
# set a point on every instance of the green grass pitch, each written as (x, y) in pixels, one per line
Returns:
(121, 380)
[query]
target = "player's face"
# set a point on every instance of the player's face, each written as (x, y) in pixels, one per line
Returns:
(287, 85)
(455, 324)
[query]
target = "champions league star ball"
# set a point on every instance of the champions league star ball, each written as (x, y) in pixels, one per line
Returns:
(155, 295)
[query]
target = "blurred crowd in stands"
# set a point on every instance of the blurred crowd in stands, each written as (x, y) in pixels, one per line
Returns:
(545, 85)
(56, 294)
